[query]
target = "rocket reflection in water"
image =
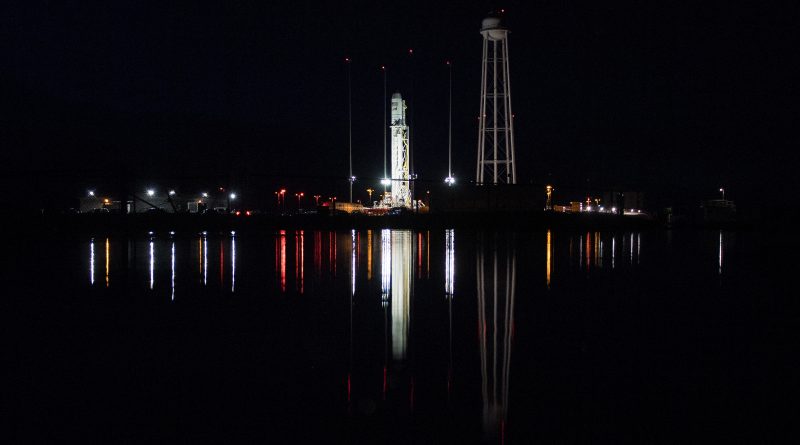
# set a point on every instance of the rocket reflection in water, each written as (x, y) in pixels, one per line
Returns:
(496, 282)
(401, 291)
(386, 283)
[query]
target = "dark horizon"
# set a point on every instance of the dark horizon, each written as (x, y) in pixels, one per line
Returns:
(672, 100)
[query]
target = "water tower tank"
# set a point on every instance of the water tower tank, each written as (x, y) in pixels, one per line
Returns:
(491, 28)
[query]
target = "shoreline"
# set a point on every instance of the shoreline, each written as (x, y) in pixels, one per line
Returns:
(504, 221)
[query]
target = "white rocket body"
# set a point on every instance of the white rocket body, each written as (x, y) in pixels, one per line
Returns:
(401, 193)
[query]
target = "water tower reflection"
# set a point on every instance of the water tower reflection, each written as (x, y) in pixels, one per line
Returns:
(496, 284)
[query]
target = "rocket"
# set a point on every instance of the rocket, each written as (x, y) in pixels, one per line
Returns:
(401, 193)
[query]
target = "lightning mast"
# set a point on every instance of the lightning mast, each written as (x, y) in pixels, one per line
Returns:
(450, 180)
(350, 178)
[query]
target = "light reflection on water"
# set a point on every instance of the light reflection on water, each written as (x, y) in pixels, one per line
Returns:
(404, 265)
(496, 289)
(585, 251)
(401, 291)
(152, 263)
(91, 261)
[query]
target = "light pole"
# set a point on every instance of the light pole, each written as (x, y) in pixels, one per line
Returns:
(352, 178)
(450, 180)
(549, 204)
(283, 199)
(722, 190)
(299, 197)
(316, 199)
(385, 181)
(369, 192)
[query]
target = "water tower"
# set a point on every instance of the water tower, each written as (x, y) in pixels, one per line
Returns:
(496, 121)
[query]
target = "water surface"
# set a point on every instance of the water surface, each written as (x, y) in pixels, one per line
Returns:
(399, 336)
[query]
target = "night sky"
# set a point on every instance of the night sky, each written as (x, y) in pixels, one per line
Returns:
(673, 99)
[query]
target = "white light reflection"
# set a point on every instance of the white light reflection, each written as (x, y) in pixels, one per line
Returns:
(205, 259)
(233, 262)
(613, 251)
(172, 261)
(449, 262)
(386, 266)
(91, 261)
(449, 281)
(152, 264)
(631, 244)
(638, 247)
(401, 290)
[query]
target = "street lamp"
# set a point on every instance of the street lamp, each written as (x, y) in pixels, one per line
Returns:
(299, 197)
(172, 193)
(722, 190)
(205, 194)
(316, 199)
(91, 192)
(386, 181)
(352, 180)
(231, 197)
(151, 192)
(369, 192)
